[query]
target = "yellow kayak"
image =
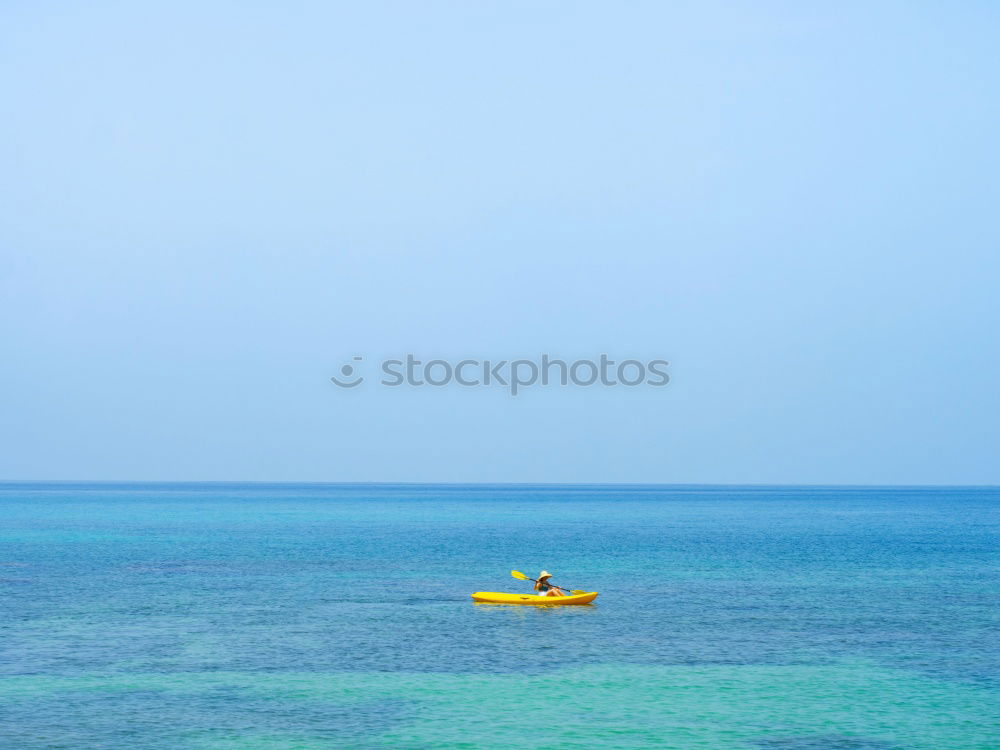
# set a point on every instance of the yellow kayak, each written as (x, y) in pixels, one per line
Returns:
(495, 597)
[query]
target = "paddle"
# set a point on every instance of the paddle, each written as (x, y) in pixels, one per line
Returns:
(522, 577)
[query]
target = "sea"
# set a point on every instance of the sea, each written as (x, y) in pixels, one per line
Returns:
(255, 616)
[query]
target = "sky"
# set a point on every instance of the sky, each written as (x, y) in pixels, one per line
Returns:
(207, 209)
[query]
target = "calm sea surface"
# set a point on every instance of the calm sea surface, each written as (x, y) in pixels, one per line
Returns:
(259, 616)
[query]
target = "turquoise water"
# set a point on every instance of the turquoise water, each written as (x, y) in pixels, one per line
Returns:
(331, 616)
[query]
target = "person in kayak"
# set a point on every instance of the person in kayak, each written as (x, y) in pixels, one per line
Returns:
(543, 587)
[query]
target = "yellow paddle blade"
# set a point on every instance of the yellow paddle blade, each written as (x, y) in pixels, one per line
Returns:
(577, 592)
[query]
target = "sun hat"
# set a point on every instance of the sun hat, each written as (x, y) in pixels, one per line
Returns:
(544, 574)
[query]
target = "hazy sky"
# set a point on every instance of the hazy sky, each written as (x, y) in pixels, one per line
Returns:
(207, 208)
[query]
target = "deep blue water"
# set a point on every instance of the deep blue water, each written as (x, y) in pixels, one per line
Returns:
(185, 615)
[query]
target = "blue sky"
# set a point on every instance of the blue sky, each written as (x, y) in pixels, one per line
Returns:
(207, 208)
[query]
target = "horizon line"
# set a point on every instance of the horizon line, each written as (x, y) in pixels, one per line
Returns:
(485, 483)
